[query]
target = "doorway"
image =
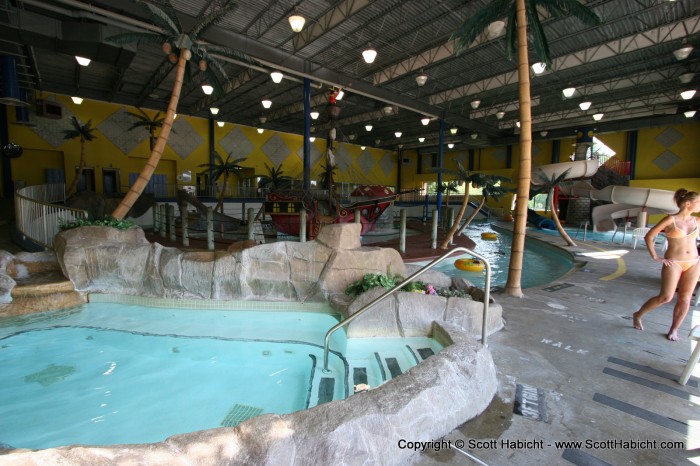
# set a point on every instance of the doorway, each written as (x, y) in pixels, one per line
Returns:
(110, 181)
(87, 179)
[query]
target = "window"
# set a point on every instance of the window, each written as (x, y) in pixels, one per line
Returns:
(539, 202)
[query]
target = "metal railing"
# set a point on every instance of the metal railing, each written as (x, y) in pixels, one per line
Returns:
(487, 286)
(37, 218)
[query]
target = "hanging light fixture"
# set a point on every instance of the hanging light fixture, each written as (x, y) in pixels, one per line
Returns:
(597, 116)
(77, 100)
(314, 115)
(388, 109)
(544, 133)
(517, 123)
(685, 78)
(267, 103)
(276, 77)
(363, 147)
(207, 89)
(689, 113)
(369, 54)
(687, 95)
(421, 79)
(312, 138)
(82, 61)
(453, 130)
(261, 130)
(214, 110)
(340, 94)
(683, 52)
(585, 105)
(425, 121)
(450, 146)
(398, 134)
(500, 115)
(368, 128)
(296, 21)
(568, 92)
(495, 29)
(539, 67)
(263, 120)
(421, 139)
(475, 103)
(220, 124)
(377, 141)
(474, 135)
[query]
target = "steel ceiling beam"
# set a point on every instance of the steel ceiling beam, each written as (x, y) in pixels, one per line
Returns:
(327, 22)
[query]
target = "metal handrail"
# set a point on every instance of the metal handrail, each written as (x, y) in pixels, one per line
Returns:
(487, 286)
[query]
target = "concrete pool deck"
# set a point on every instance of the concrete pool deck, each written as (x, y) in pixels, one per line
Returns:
(602, 380)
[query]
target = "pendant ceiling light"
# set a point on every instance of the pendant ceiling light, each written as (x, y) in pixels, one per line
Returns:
(500, 115)
(314, 115)
(453, 130)
(568, 92)
(597, 116)
(296, 21)
(683, 52)
(421, 79)
(584, 105)
(207, 89)
(450, 146)
(475, 103)
(267, 103)
(276, 77)
(77, 100)
(425, 121)
(539, 67)
(82, 61)
(689, 113)
(369, 54)
(687, 95)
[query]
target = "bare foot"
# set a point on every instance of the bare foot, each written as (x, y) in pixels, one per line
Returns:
(673, 336)
(637, 322)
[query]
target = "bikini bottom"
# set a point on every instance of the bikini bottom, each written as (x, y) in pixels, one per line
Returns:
(687, 264)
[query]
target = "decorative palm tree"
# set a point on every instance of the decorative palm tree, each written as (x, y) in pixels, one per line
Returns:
(84, 132)
(489, 190)
(521, 13)
(447, 188)
(180, 47)
(275, 178)
(151, 124)
(223, 168)
(547, 185)
(465, 177)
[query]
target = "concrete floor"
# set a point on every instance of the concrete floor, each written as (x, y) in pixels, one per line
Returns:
(602, 380)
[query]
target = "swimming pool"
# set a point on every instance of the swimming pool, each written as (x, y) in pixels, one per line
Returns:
(542, 263)
(108, 373)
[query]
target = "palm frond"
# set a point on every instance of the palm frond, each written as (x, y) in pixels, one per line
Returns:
(210, 19)
(511, 34)
(161, 18)
(214, 82)
(477, 23)
(131, 37)
(167, 7)
(539, 39)
(559, 8)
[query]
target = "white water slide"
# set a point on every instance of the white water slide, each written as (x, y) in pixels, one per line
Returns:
(577, 169)
(628, 202)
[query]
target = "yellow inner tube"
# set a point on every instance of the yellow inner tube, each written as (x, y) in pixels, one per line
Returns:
(489, 235)
(469, 265)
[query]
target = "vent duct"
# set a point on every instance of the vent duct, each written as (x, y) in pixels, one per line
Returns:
(10, 84)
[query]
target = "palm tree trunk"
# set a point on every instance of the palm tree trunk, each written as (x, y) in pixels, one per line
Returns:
(471, 217)
(460, 214)
(557, 222)
(147, 171)
(515, 267)
(81, 167)
(220, 204)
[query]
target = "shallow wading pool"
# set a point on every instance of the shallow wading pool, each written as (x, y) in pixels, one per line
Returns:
(107, 373)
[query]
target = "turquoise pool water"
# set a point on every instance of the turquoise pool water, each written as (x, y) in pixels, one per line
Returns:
(542, 263)
(108, 373)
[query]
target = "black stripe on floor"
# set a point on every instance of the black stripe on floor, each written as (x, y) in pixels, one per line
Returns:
(425, 352)
(393, 366)
(693, 382)
(647, 383)
(381, 367)
(581, 458)
(359, 375)
(642, 413)
(325, 390)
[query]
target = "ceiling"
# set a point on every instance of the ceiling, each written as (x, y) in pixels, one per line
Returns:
(625, 67)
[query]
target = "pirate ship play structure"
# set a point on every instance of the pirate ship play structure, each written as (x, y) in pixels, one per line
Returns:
(324, 207)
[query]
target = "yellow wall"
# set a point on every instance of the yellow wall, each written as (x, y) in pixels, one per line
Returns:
(686, 146)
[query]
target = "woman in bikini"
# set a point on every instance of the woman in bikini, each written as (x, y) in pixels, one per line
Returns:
(681, 265)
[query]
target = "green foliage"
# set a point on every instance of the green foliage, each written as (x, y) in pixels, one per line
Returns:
(103, 222)
(414, 286)
(369, 281)
(84, 132)
(450, 293)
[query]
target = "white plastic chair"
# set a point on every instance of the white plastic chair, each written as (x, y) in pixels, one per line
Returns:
(637, 234)
(693, 360)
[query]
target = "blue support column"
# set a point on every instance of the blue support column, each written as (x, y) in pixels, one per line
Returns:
(441, 151)
(307, 134)
(212, 161)
(556, 150)
(632, 150)
(509, 156)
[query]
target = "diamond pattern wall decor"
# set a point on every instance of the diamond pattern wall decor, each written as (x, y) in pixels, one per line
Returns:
(387, 163)
(116, 129)
(184, 138)
(366, 162)
(500, 154)
(276, 150)
(343, 158)
(666, 160)
(669, 137)
(315, 154)
(51, 130)
(236, 144)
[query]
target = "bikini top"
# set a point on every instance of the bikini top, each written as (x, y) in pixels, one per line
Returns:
(677, 233)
